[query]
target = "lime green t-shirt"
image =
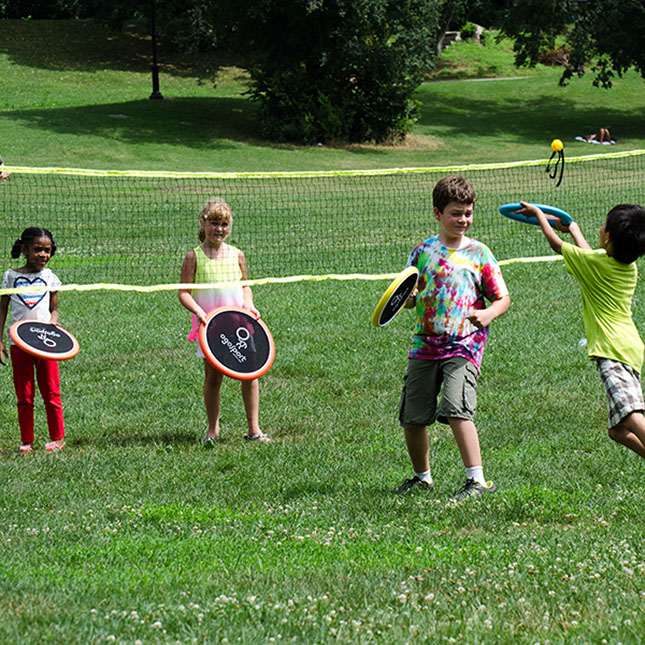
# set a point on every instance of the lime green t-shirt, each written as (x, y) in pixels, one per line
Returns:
(607, 289)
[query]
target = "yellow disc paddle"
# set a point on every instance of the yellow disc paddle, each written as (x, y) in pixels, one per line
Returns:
(395, 295)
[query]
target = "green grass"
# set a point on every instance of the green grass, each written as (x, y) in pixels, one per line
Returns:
(136, 529)
(136, 533)
(56, 102)
(470, 60)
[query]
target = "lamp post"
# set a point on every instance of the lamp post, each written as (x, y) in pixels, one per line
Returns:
(156, 94)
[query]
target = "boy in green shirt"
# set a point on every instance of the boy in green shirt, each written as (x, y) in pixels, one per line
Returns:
(607, 280)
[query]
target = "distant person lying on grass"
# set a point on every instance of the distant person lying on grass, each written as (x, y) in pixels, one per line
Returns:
(602, 136)
(4, 175)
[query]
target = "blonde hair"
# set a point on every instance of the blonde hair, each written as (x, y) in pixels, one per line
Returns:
(214, 209)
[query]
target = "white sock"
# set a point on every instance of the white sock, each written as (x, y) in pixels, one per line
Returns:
(476, 473)
(425, 476)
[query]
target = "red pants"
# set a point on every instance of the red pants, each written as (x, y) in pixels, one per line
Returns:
(49, 386)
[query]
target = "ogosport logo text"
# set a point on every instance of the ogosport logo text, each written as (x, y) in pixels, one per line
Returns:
(44, 335)
(395, 300)
(243, 336)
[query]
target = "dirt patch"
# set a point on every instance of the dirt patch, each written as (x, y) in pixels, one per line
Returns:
(411, 142)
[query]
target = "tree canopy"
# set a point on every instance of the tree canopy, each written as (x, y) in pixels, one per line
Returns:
(346, 70)
(604, 36)
(335, 69)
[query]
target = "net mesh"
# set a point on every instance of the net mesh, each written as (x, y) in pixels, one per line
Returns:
(134, 228)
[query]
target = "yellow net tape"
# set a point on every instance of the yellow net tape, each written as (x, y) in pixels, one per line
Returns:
(308, 173)
(244, 283)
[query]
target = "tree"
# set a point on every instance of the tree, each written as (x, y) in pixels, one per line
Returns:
(320, 70)
(326, 70)
(605, 35)
(449, 11)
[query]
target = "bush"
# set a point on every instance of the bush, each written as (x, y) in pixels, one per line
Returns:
(338, 71)
(468, 31)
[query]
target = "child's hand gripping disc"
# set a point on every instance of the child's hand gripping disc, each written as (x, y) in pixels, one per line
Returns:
(236, 343)
(43, 339)
(552, 213)
(393, 300)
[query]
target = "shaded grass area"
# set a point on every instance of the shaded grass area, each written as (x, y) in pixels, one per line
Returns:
(83, 45)
(135, 531)
(89, 107)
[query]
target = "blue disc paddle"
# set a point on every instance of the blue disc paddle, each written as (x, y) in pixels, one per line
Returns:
(552, 213)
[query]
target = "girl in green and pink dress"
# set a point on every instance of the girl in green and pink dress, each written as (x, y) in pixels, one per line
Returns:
(215, 261)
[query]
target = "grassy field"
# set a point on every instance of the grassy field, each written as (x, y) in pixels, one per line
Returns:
(136, 533)
(84, 103)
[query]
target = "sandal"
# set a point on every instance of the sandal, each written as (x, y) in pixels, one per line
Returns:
(26, 448)
(54, 446)
(264, 438)
(209, 442)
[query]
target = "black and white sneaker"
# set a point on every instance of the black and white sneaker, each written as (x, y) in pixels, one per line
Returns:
(473, 488)
(411, 483)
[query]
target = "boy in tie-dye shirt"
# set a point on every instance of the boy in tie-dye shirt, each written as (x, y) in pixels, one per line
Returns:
(459, 293)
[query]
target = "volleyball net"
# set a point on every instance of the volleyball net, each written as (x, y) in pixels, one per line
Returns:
(129, 229)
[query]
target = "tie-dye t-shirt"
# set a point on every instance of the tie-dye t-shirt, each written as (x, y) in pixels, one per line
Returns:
(453, 282)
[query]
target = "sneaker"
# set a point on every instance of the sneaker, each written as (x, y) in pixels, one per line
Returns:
(411, 483)
(473, 488)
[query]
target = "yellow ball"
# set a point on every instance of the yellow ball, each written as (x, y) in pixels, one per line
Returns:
(556, 145)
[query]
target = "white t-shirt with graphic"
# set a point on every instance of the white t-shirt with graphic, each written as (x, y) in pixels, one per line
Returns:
(34, 304)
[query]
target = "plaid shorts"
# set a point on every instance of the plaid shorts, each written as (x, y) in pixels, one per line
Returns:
(623, 386)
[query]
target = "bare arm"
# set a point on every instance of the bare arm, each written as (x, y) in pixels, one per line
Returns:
(555, 242)
(530, 210)
(185, 295)
(246, 290)
(481, 318)
(578, 238)
(53, 306)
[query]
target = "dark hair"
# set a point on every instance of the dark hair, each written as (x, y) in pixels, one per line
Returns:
(625, 226)
(452, 188)
(28, 237)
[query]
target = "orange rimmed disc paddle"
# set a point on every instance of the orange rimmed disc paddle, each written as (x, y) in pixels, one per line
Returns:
(236, 343)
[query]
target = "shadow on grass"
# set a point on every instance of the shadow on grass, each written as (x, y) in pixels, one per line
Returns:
(307, 489)
(221, 122)
(528, 119)
(83, 45)
(164, 439)
(517, 111)
(190, 122)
